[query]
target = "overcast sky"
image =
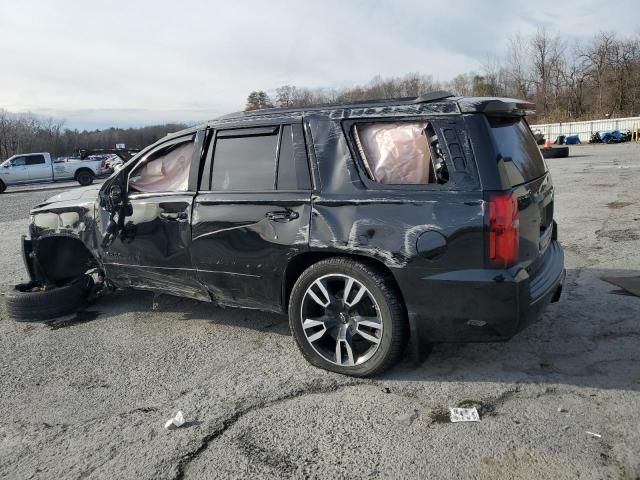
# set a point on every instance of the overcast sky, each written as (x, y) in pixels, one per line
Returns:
(131, 63)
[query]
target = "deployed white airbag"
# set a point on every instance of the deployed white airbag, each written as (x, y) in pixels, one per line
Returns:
(168, 173)
(396, 153)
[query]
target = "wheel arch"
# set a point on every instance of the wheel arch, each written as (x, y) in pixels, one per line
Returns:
(304, 260)
(83, 170)
(60, 258)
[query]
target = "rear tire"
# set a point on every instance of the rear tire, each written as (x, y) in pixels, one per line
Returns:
(358, 334)
(25, 305)
(85, 178)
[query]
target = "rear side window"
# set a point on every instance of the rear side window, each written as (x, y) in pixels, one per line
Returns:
(517, 146)
(35, 160)
(245, 163)
(293, 170)
(400, 153)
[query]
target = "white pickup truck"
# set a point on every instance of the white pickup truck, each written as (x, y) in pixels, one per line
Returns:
(39, 168)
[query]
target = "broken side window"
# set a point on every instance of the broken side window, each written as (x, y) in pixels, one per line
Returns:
(166, 170)
(401, 153)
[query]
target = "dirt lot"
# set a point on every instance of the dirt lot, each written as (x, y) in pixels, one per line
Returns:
(88, 398)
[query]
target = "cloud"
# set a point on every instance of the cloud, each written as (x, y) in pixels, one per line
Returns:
(122, 63)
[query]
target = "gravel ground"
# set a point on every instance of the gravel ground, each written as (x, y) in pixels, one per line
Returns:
(87, 398)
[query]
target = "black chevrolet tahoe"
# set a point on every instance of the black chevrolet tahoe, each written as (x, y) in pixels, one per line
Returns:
(377, 226)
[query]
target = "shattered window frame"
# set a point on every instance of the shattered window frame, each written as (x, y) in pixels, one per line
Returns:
(191, 137)
(361, 166)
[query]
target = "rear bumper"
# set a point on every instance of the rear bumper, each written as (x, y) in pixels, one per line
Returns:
(483, 305)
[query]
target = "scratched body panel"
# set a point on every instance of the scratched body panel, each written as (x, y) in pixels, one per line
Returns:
(385, 225)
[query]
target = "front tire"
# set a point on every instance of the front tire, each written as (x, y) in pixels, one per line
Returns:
(85, 178)
(348, 317)
(29, 302)
(3, 187)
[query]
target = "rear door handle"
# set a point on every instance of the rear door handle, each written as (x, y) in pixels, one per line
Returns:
(175, 217)
(282, 216)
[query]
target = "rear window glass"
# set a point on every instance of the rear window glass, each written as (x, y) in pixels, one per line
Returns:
(515, 142)
(400, 153)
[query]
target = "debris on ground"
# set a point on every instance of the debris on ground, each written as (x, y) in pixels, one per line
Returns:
(464, 415)
(562, 410)
(595, 435)
(408, 418)
(175, 422)
(629, 284)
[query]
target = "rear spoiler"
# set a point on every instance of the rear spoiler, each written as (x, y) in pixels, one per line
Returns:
(496, 106)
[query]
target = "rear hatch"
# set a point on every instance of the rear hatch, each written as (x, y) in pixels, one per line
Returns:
(523, 170)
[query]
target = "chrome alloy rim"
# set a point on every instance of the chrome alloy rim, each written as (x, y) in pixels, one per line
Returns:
(341, 320)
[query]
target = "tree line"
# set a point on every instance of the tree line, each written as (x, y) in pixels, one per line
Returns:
(595, 78)
(22, 133)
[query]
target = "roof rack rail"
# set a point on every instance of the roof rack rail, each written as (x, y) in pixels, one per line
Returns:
(432, 96)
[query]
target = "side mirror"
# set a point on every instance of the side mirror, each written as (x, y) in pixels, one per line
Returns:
(115, 194)
(6, 165)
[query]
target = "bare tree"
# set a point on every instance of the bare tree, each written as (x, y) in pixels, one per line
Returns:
(597, 56)
(547, 52)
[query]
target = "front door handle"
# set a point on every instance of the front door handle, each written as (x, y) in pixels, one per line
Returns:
(174, 217)
(282, 216)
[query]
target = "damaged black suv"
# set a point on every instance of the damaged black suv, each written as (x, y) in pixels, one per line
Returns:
(376, 225)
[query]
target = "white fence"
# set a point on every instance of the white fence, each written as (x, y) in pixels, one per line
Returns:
(585, 129)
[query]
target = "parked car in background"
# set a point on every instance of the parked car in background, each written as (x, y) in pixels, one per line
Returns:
(114, 163)
(374, 225)
(39, 168)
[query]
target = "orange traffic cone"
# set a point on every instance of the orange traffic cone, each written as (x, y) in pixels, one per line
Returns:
(547, 143)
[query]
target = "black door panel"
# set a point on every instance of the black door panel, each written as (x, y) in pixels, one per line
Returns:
(153, 250)
(242, 242)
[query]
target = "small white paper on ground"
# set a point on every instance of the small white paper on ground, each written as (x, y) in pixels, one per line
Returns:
(464, 414)
(175, 422)
(595, 435)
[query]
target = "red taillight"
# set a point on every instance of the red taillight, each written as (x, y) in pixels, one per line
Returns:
(503, 229)
(103, 164)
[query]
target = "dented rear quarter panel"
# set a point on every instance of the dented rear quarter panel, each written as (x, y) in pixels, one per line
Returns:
(384, 224)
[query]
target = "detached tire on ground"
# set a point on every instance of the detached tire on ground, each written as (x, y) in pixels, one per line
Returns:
(25, 303)
(555, 152)
(348, 317)
(84, 178)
